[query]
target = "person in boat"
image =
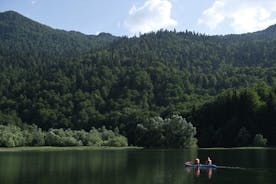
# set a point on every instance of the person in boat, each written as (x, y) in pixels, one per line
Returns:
(197, 161)
(209, 161)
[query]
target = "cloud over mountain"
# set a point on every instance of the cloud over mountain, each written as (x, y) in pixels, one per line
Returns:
(151, 16)
(241, 16)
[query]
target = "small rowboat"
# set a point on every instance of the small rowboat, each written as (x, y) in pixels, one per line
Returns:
(205, 166)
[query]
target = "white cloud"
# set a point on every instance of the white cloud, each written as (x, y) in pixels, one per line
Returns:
(151, 16)
(243, 16)
(34, 2)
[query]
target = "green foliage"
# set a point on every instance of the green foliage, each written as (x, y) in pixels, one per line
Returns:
(234, 116)
(13, 136)
(60, 137)
(110, 138)
(94, 138)
(259, 140)
(243, 137)
(8, 119)
(179, 133)
(33, 135)
(174, 132)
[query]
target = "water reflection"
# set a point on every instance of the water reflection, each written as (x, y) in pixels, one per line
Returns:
(104, 167)
(136, 167)
(199, 171)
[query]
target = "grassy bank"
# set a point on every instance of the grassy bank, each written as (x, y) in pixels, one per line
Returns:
(73, 148)
(238, 148)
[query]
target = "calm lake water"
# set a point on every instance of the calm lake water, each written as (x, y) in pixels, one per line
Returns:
(136, 167)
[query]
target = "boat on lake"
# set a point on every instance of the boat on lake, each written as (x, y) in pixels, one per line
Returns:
(203, 166)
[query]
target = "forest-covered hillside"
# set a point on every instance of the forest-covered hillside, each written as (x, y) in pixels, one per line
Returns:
(59, 79)
(25, 42)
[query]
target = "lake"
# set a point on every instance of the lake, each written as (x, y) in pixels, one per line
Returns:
(256, 166)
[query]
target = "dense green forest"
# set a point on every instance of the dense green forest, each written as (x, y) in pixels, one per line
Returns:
(236, 117)
(145, 86)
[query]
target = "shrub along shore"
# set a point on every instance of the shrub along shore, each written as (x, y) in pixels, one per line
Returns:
(31, 135)
(71, 148)
(174, 132)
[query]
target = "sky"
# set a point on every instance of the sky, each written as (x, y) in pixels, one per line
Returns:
(132, 17)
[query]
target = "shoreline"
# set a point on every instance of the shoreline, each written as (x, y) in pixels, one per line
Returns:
(69, 148)
(239, 148)
(83, 148)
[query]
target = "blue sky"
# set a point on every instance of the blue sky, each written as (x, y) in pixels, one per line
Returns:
(130, 17)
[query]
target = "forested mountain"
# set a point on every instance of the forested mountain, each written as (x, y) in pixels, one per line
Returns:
(49, 78)
(25, 42)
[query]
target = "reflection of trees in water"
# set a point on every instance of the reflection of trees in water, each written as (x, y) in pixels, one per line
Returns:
(159, 166)
(87, 167)
(60, 167)
(10, 166)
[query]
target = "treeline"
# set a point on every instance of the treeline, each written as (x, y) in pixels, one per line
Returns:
(125, 82)
(31, 135)
(238, 118)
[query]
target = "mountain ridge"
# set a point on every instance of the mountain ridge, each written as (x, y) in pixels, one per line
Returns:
(30, 35)
(11, 13)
